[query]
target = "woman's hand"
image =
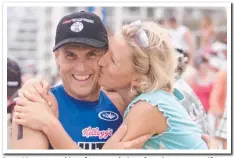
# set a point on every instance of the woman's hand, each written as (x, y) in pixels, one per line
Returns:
(35, 86)
(211, 142)
(115, 141)
(33, 112)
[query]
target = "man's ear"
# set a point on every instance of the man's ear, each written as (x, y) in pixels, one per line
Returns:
(56, 55)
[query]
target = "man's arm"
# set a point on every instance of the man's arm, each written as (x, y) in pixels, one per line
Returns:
(31, 139)
(37, 139)
(35, 113)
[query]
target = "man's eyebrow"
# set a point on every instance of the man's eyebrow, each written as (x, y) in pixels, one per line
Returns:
(95, 50)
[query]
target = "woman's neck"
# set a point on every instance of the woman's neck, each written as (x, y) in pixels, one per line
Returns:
(203, 75)
(125, 94)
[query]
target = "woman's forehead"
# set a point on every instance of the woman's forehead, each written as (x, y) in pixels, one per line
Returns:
(118, 46)
(117, 40)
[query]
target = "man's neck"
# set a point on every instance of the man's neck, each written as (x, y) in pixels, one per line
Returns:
(93, 96)
(175, 26)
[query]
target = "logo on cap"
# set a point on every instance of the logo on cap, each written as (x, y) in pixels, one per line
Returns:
(77, 27)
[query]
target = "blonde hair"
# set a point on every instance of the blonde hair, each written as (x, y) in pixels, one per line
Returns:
(156, 62)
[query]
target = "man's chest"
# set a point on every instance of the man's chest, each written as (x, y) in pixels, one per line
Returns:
(89, 129)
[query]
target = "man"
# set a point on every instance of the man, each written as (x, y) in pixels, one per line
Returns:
(86, 116)
(181, 36)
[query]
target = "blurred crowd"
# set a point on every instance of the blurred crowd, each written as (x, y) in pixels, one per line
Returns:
(206, 72)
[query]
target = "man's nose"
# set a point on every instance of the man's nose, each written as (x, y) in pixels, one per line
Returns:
(80, 66)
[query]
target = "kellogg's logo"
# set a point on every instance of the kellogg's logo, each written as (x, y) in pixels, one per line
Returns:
(95, 132)
(108, 116)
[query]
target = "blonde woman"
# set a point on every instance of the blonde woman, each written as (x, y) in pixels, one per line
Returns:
(140, 67)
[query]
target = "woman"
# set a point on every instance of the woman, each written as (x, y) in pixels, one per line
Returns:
(143, 74)
(207, 30)
(140, 67)
(187, 96)
(202, 81)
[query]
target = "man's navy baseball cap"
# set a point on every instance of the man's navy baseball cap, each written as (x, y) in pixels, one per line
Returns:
(83, 28)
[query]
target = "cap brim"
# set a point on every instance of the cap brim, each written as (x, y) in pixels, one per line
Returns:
(86, 41)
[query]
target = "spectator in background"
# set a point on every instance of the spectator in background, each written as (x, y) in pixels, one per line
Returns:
(13, 83)
(216, 66)
(202, 81)
(219, 92)
(161, 22)
(219, 47)
(56, 80)
(207, 29)
(218, 96)
(221, 132)
(181, 36)
(186, 95)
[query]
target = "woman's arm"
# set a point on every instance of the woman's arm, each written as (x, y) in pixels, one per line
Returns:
(145, 117)
(61, 140)
(37, 115)
(58, 137)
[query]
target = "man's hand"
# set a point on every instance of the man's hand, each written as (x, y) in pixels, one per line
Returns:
(115, 141)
